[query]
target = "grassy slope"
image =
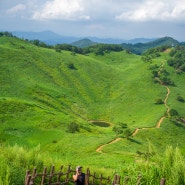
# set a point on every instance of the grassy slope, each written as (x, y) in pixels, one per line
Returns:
(39, 95)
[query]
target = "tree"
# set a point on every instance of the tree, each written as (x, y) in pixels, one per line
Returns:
(118, 128)
(166, 81)
(127, 133)
(155, 74)
(36, 42)
(71, 66)
(72, 127)
(180, 98)
(173, 112)
(159, 101)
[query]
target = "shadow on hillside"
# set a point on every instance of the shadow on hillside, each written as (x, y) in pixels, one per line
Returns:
(134, 141)
(179, 125)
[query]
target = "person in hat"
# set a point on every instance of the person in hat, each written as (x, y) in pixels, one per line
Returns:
(79, 177)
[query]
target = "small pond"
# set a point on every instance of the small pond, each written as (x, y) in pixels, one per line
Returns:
(100, 123)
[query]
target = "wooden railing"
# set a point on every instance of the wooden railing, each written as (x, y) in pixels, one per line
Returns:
(50, 177)
(58, 178)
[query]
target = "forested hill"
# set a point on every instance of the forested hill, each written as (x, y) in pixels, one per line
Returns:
(84, 43)
(139, 48)
(85, 46)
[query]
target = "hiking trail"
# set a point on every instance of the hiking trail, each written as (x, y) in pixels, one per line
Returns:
(158, 124)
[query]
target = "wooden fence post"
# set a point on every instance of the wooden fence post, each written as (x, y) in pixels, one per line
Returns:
(93, 178)
(31, 181)
(163, 181)
(51, 174)
(27, 178)
(44, 175)
(67, 174)
(59, 174)
(87, 176)
(116, 180)
(101, 178)
(139, 179)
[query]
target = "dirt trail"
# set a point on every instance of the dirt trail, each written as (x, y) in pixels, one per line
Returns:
(99, 149)
(111, 142)
(160, 120)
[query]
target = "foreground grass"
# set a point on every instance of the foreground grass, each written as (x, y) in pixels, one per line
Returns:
(170, 164)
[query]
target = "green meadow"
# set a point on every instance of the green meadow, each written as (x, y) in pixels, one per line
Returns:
(49, 99)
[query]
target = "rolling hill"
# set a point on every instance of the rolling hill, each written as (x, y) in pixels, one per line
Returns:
(84, 43)
(45, 93)
(139, 48)
(45, 78)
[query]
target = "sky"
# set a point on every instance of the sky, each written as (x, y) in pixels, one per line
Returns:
(124, 19)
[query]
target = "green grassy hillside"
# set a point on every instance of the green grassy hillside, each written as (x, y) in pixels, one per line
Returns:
(44, 92)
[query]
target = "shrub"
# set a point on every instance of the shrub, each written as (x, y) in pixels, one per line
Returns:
(58, 50)
(73, 127)
(180, 98)
(71, 66)
(127, 133)
(159, 101)
(173, 112)
(118, 129)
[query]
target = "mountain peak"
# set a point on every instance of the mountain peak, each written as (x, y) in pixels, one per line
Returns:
(83, 43)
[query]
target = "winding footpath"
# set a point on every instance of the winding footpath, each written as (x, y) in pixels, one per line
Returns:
(99, 149)
(161, 119)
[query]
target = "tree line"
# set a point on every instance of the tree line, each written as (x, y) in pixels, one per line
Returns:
(99, 49)
(177, 59)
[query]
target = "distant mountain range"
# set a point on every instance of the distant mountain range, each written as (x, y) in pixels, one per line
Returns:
(137, 48)
(137, 45)
(48, 37)
(93, 41)
(52, 38)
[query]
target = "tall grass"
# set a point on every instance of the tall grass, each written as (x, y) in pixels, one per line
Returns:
(170, 165)
(15, 160)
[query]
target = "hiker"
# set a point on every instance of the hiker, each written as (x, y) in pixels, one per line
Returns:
(79, 177)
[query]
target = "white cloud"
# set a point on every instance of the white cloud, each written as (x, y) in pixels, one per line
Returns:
(61, 9)
(165, 10)
(16, 9)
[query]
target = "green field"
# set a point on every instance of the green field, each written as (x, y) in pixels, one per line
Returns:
(43, 92)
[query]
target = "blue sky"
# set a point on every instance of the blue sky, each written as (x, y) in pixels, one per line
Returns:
(124, 19)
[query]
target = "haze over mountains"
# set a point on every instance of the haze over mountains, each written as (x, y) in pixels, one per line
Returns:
(52, 38)
(137, 45)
